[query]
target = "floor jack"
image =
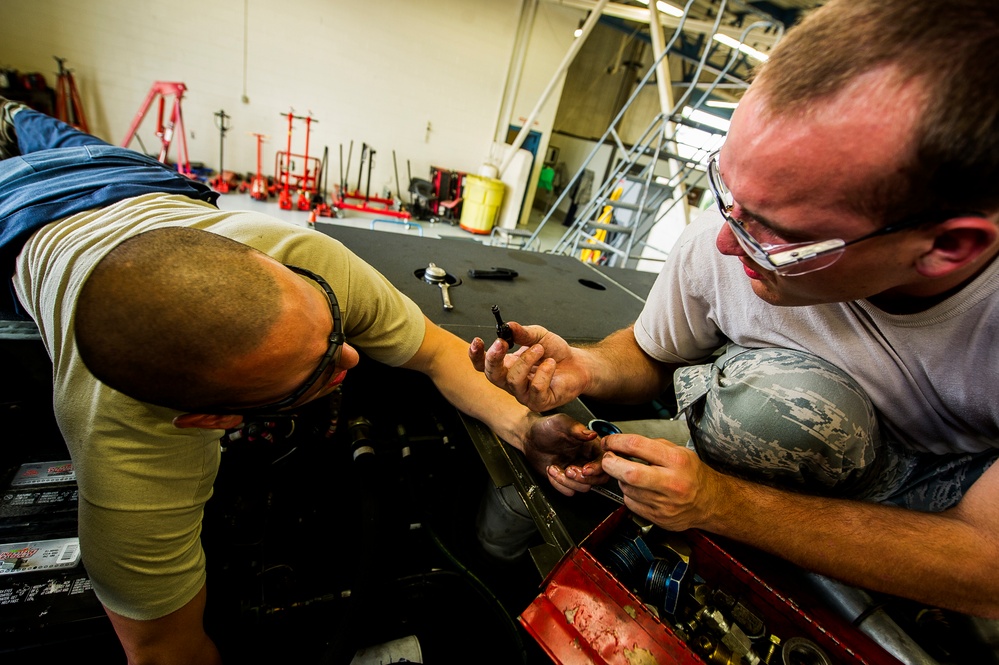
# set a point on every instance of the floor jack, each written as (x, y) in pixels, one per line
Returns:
(323, 209)
(308, 174)
(366, 199)
(165, 131)
(258, 184)
(69, 108)
(220, 184)
(319, 205)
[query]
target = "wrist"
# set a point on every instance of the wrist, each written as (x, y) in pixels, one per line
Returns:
(517, 429)
(584, 374)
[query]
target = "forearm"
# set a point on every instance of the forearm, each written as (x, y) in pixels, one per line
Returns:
(943, 559)
(443, 358)
(620, 371)
(471, 394)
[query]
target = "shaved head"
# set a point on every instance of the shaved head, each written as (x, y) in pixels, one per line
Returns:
(164, 314)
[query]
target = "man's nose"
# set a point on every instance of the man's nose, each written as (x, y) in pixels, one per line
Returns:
(349, 357)
(727, 243)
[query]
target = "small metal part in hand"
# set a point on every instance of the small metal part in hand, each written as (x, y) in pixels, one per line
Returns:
(602, 491)
(502, 329)
(603, 427)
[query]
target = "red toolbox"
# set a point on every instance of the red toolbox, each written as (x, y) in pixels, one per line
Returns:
(633, 594)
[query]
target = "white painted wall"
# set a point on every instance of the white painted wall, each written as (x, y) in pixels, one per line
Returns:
(379, 72)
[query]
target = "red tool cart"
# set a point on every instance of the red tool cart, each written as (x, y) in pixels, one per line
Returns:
(286, 171)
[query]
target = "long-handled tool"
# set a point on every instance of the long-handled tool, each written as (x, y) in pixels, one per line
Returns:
(258, 186)
(375, 204)
(284, 201)
(398, 192)
(220, 184)
(69, 108)
(320, 207)
(371, 163)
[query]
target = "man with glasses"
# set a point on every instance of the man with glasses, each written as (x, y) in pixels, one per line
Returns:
(829, 328)
(169, 321)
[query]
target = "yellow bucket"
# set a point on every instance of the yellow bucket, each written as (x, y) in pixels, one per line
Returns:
(480, 203)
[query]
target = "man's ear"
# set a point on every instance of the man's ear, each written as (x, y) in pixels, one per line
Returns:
(207, 421)
(957, 243)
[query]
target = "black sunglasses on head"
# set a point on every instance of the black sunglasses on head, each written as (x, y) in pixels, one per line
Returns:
(331, 357)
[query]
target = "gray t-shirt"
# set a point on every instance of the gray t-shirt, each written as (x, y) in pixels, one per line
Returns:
(930, 374)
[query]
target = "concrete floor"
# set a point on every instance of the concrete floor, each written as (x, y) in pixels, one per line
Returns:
(547, 239)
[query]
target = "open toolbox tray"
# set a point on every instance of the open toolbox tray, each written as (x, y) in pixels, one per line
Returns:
(600, 604)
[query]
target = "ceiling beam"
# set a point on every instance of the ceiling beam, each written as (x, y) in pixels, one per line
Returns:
(757, 38)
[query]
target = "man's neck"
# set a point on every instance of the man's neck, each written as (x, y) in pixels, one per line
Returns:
(922, 298)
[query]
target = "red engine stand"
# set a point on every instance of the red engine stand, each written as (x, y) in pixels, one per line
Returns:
(165, 131)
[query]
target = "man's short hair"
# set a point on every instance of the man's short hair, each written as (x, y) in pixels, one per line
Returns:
(166, 310)
(950, 48)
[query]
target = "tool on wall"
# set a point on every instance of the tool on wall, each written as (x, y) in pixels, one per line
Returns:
(165, 130)
(221, 183)
(69, 108)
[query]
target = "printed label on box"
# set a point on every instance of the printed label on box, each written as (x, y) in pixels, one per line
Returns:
(38, 473)
(26, 557)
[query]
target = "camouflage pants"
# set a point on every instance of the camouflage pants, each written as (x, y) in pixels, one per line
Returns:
(790, 419)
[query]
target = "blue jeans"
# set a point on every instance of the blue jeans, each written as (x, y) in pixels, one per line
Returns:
(62, 171)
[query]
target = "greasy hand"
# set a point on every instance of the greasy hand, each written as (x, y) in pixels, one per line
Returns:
(544, 373)
(566, 451)
(675, 490)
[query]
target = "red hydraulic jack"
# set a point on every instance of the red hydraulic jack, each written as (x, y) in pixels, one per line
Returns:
(308, 173)
(319, 205)
(69, 108)
(258, 186)
(165, 131)
(220, 183)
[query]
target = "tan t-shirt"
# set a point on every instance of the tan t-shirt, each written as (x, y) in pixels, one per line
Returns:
(143, 482)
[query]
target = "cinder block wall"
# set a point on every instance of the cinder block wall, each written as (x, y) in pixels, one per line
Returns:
(424, 78)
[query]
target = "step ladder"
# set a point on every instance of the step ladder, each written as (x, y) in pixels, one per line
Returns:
(653, 176)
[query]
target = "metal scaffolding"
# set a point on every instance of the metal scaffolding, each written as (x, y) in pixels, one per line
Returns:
(657, 171)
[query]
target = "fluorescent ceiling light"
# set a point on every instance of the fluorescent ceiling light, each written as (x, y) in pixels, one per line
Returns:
(715, 104)
(706, 118)
(736, 44)
(665, 8)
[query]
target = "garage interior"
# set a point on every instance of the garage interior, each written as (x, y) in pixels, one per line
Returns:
(554, 147)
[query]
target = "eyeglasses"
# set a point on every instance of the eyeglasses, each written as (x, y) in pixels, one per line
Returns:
(798, 258)
(330, 358)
